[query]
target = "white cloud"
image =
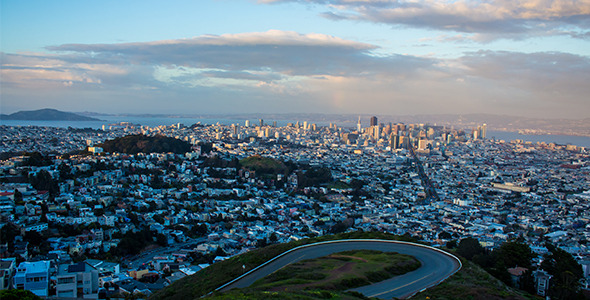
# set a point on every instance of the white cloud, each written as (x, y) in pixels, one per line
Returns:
(512, 19)
(321, 74)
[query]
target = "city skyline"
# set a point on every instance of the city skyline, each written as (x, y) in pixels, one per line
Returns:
(526, 58)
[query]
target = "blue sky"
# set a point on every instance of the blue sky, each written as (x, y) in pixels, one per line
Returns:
(517, 57)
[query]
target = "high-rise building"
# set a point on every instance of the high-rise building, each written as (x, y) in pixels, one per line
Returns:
(358, 125)
(247, 124)
(376, 131)
(373, 121)
(261, 122)
(394, 141)
(422, 143)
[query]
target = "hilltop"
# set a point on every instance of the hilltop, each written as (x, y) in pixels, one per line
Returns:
(469, 279)
(133, 144)
(46, 114)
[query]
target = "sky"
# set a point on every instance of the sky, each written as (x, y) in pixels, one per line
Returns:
(527, 58)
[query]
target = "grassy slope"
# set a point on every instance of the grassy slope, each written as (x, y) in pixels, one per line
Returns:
(212, 277)
(257, 162)
(472, 283)
(339, 271)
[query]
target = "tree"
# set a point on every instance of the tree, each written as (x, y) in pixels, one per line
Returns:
(273, 238)
(17, 294)
(357, 184)
(451, 244)
(444, 235)
(469, 247)
(162, 240)
(18, 196)
(566, 272)
(515, 254)
(33, 237)
(36, 159)
(44, 182)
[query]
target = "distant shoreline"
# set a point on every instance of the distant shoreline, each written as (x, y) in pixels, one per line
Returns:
(502, 134)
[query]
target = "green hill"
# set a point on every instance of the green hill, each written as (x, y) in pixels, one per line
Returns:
(46, 114)
(133, 144)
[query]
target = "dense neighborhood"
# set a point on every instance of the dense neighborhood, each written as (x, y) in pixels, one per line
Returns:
(82, 220)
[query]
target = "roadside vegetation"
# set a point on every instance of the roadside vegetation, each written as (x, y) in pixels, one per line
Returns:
(472, 283)
(565, 271)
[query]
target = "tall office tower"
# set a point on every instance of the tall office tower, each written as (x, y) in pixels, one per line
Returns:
(430, 133)
(404, 142)
(394, 141)
(247, 124)
(484, 129)
(274, 123)
(358, 125)
(387, 129)
(373, 121)
(261, 122)
(305, 125)
(376, 132)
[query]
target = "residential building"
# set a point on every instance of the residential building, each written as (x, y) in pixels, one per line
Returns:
(76, 280)
(7, 269)
(34, 277)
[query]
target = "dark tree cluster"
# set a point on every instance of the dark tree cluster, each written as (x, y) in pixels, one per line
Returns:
(314, 176)
(43, 181)
(566, 272)
(36, 159)
(133, 144)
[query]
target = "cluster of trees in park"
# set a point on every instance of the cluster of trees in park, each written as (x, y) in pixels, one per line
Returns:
(268, 168)
(138, 143)
(133, 242)
(565, 270)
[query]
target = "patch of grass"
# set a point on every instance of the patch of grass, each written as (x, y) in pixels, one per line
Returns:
(338, 185)
(214, 276)
(263, 165)
(339, 271)
(472, 282)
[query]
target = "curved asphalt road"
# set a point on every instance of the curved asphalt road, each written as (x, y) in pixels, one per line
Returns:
(436, 266)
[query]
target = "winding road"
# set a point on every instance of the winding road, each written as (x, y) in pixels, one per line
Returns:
(436, 266)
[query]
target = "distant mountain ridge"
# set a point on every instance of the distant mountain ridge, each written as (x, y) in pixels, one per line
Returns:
(46, 114)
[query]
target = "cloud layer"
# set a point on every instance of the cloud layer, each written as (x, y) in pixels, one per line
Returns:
(483, 20)
(283, 71)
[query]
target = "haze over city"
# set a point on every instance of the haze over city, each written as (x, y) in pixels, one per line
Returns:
(524, 58)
